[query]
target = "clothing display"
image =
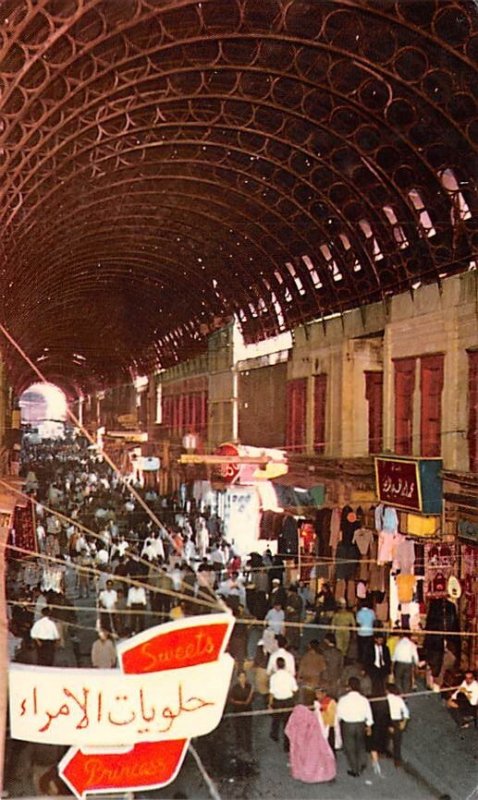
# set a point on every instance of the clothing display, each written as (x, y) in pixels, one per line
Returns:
(347, 557)
(363, 538)
(406, 587)
(378, 516)
(270, 526)
(442, 616)
(322, 529)
(390, 520)
(387, 546)
(440, 565)
(349, 526)
(404, 555)
(288, 538)
(335, 529)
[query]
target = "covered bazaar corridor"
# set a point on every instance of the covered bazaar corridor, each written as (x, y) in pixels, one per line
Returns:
(239, 378)
(165, 165)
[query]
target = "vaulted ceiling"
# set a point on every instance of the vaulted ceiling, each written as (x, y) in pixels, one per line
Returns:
(165, 164)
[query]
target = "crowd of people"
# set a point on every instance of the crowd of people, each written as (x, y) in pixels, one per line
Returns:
(328, 674)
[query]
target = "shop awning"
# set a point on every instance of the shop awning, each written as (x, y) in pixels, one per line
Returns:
(295, 492)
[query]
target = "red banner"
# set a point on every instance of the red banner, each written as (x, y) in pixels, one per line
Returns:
(24, 533)
(398, 483)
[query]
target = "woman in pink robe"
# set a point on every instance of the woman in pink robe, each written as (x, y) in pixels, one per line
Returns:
(311, 757)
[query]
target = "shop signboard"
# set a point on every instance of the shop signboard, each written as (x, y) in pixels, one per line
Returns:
(413, 484)
(130, 727)
(468, 529)
(228, 472)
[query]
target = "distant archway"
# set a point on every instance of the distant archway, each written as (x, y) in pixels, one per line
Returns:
(43, 405)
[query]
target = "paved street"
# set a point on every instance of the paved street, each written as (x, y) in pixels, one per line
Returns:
(440, 760)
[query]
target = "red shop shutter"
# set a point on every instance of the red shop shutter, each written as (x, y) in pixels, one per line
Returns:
(176, 413)
(166, 413)
(374, 396)
(431, 374)
(203, 412)
(320, 400)
(296, 414)
(404, 389)
(473, 410)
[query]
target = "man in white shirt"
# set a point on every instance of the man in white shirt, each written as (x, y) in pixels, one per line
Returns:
(45, 634)
(157, 545)
(355, 717)
(281, 652)
(282, 688)
(41, 537)
(136, 602)
(399, 716)
(275, 619)
(107, 600)
(463, 703)
(405, 658)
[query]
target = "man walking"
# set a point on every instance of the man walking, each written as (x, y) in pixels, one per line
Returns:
(355, 717)
(378, 664)
(45, 634)
(282, 688)
(405, 658)
(107, 600)
(399, 716)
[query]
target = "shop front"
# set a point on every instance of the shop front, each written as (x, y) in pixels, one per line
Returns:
(461, 522)
(240, 491)
(419, 555)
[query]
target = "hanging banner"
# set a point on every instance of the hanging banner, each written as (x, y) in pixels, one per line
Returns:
(131, 726)
(24, 531)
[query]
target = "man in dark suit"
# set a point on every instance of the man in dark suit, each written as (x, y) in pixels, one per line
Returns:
(378, 663)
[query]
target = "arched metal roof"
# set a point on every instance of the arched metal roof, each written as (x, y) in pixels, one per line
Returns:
(165, 164)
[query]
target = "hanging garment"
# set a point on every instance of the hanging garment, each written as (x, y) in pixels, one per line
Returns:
(288, 537)
(363, 538)
(405, 555)
(334, 529)
(349, 526)
(378, 513)
(442, 616)
(390, 520)
(386, 547)
(361, 590)
(350, 593)
(347, 559)
(322, 529)
(405, 587)
(381, 610)
(344, 514)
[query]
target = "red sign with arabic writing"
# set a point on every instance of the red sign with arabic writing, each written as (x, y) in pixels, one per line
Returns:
(226, 473)
(149, 765)
(398, 483)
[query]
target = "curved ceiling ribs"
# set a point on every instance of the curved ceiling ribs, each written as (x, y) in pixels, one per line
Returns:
(165, 164)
